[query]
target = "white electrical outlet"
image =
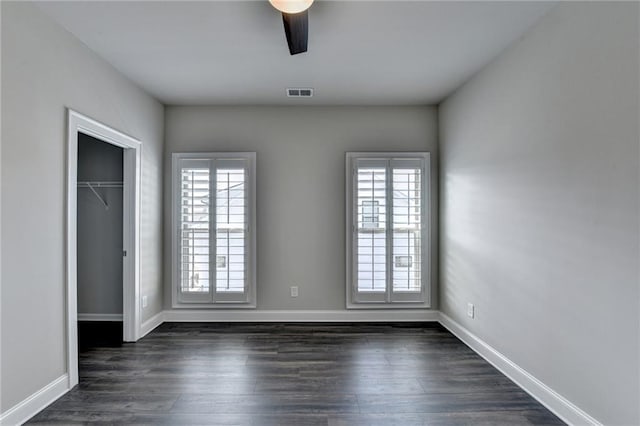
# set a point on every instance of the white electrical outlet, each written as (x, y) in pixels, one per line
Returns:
(294, 291)
(471, 310)
(144, 301)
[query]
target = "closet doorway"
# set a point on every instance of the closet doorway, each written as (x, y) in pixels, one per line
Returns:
(103, 187)
(100, 243)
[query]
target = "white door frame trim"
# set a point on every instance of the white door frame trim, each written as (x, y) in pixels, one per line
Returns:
(132, 155)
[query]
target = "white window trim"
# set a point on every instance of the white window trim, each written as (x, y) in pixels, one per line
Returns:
(250, 302)
(351, 302)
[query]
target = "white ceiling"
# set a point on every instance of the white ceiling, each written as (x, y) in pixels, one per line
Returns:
(235, 52)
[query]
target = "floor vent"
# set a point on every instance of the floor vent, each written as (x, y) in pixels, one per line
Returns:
(299, 92)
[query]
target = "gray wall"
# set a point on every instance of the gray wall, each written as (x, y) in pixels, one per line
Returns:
(44, 70)
(99, 229)
(539, 206)
(300, 185)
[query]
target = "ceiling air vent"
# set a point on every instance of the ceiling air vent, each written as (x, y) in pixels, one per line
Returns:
(299, 92)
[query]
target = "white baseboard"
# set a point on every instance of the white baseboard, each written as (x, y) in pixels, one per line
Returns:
(556, 403)
(32, 405)
(190, 315)
(151, 323)
(99, 317)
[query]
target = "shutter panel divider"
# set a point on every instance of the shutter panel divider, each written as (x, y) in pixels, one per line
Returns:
(213, 210)
(389, 231)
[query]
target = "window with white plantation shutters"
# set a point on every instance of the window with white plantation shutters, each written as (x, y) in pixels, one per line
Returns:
(387, 221)
(214, 243)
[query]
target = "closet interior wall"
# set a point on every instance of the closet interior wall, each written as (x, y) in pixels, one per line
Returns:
(100, 229)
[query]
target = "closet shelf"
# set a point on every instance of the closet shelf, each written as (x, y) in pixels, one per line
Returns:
(92, 185)
(100, 184)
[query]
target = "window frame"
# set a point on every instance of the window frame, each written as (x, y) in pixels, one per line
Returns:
(388, 299)
(178, 299)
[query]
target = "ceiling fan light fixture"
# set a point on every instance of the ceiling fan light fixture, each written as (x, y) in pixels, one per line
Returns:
(291, 6)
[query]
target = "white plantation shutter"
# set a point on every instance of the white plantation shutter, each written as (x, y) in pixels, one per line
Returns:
(371, 225)
(215, 245)
(387, 215)
(231, 230)
(407, 196)
(194, 229)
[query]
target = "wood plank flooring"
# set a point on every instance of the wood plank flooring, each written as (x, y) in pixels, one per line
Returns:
(293, 374)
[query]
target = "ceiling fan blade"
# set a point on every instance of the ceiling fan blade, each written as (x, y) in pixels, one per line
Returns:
(296, 27)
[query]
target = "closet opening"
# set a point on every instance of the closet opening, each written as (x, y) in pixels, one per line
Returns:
(100, 243)
(103, 238)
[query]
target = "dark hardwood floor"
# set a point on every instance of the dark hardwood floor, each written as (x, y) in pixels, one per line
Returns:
(293, 374)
